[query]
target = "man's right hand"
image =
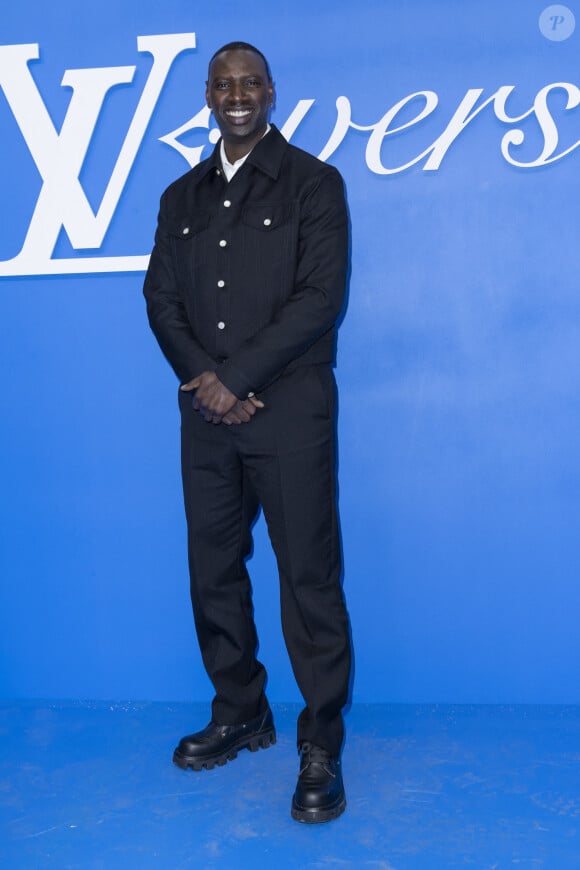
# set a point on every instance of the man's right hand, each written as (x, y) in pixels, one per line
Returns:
(208, 384)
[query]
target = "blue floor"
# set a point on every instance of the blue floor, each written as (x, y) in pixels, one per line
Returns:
(91, 785)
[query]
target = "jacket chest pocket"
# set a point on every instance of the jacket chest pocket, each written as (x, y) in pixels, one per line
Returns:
(187, 241)
(269, 246)
(267, 217)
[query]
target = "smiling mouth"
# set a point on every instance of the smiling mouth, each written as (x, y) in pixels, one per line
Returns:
(238, 114)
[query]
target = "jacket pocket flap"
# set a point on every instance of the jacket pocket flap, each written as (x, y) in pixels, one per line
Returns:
(188, 226)
(266, 216)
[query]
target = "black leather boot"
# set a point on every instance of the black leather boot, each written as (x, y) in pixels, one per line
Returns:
(319, 795)
(217, 744)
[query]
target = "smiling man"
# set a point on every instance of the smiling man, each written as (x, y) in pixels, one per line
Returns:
(245, 283)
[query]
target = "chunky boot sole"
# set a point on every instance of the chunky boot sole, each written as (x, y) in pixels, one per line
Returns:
(313, 816)
(256, 741)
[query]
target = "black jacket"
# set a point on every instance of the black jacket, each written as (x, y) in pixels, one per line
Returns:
(247, 279)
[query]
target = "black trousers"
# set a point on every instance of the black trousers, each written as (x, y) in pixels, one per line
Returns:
(283, 460)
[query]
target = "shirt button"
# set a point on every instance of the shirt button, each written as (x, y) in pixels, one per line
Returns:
(227, 203)
(221, 325)
(223, 243)
(221, 283)
(185, 230)
(218, 172)
(267, 222)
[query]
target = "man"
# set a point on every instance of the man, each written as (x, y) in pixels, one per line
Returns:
(244, 286)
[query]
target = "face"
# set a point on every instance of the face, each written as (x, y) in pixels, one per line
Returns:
(240, 94)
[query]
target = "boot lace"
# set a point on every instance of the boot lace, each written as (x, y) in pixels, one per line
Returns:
(312, 754)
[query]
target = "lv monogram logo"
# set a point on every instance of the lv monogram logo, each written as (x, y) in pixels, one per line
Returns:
(59, 156)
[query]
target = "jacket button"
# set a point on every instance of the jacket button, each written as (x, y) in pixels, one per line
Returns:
(227, 203)
(267, 222)
(221, 325)
(223, 243)
(221, 283)
(185, 231)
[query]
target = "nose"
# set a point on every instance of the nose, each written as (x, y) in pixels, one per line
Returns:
(236, 92)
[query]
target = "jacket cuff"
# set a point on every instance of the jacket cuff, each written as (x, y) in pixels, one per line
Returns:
(234, 380)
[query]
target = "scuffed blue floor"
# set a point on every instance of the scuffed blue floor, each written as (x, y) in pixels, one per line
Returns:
(91, 785)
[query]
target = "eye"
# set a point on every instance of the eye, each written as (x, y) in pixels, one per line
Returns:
(220, 86)
(253, 83)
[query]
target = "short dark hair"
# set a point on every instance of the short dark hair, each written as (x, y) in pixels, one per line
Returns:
(240, 46)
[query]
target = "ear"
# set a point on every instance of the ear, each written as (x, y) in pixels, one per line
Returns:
(207, 95)
(271, 93)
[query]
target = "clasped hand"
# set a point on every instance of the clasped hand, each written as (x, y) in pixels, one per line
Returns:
(217, 404)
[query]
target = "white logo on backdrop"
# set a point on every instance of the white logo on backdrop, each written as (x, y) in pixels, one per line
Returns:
(60, 156)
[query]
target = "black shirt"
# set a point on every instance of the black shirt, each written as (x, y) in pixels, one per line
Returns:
(247, 278)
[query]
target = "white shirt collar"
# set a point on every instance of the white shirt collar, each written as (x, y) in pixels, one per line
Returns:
(230, 169)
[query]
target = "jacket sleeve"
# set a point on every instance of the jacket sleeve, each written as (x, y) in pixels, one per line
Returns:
(166, 308)
(315, 304)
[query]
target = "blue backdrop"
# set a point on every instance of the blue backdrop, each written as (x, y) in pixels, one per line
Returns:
(456, 127)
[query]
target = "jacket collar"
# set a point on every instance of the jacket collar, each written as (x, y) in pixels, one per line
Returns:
(266, 155)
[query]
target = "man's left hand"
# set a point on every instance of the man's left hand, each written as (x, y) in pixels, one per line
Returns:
(243, 411)
(212, 399)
